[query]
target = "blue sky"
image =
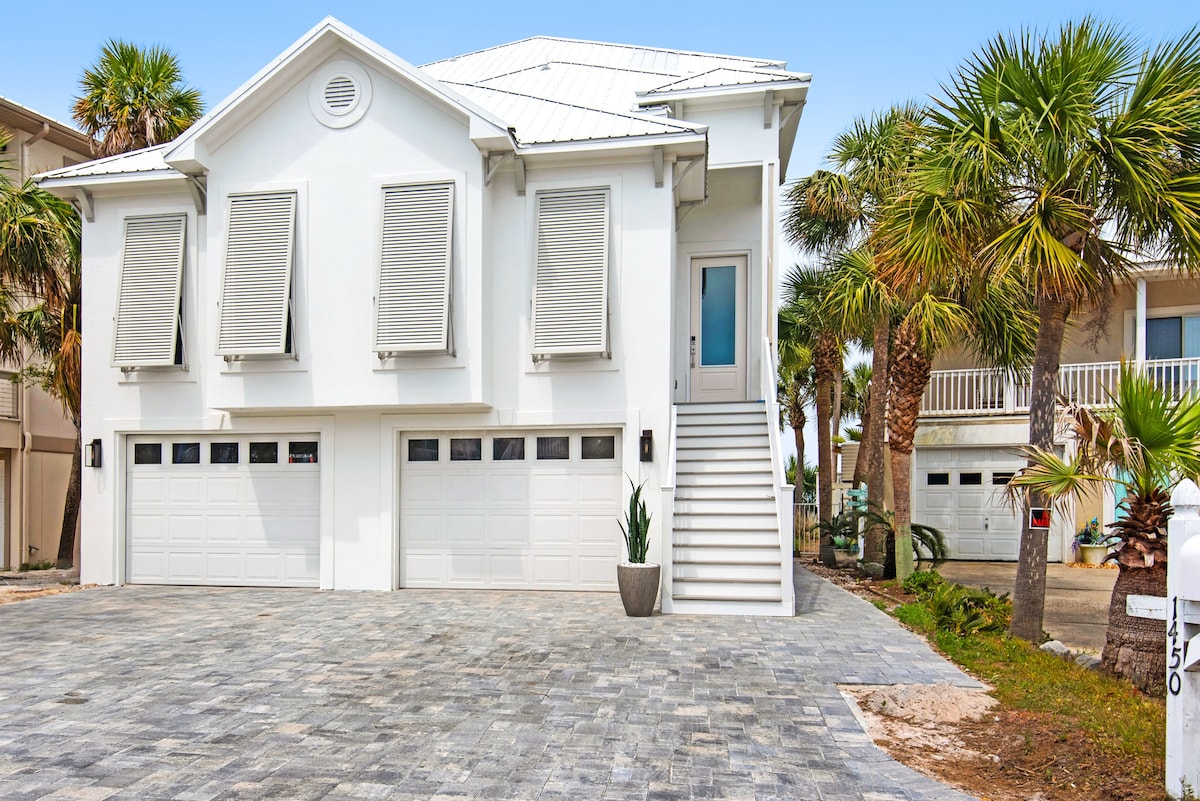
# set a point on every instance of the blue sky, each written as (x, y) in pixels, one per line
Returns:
(864, 55)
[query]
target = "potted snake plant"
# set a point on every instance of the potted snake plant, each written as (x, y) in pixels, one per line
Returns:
(637, 580)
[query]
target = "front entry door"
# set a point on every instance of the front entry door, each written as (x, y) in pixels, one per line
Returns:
(718, 331)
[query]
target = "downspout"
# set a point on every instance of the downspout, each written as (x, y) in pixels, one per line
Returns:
(33, 140)
(1139, 325)
(26, 447)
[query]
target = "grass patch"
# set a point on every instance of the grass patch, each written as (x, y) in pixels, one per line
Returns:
(1119, 723)
(45, 564)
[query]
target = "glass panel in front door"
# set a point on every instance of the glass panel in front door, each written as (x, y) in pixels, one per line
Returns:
(718, 315)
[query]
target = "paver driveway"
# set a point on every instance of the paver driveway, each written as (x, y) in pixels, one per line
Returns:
(192, 694)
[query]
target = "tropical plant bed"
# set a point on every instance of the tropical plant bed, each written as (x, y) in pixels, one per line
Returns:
(1057, 732)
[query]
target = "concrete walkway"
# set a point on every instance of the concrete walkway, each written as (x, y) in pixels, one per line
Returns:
(194, 694)
(1077, 598)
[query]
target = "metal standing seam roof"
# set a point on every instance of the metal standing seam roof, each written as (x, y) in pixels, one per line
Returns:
(605, 79)
(552, 90)
(146, 160)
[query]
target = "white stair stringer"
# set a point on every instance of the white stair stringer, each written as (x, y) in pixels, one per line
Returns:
(726, 551)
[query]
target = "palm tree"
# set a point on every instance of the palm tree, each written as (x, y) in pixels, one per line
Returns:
(1145, 443)
(133, 98)
(39, 262)
(806, 322)
(1058, 161)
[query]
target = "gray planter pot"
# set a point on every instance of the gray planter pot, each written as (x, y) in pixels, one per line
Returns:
(639, 587)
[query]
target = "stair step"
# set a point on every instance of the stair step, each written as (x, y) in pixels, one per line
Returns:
(708, 492)
(760, 480)
(701, 538)
(761, 466)
(691, 555)
(738, 506)
(688, 409)
(706, 453)
(725, 590)
(757, 442)
(721, 419)
(742, 572)
(689, 430)
(716, 599)
(727, 522)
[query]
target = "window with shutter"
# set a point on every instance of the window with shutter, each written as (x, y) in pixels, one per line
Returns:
(256, 293)
(412, 311)
(147, 331)
(570, 296)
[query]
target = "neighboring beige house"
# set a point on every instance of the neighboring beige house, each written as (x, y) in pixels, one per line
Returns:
(35, 440)
(973, 421)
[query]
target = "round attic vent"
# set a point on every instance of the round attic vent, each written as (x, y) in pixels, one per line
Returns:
(340, 94)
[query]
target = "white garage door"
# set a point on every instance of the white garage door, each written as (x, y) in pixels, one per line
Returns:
(224, 510)
(527, 510)
(961, 492)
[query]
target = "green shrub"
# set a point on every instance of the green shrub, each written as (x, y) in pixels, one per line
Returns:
(922, 582)
(964, 610)
(45, 564)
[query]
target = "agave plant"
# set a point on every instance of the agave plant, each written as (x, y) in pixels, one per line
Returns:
(636, 527)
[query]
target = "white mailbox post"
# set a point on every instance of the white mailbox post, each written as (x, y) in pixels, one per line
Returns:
(1183, 642)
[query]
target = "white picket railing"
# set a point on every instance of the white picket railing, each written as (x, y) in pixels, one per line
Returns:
(979, 392)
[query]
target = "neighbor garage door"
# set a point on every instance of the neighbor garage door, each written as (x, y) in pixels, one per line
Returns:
(224, 510)
(527, 510)
(961, 492)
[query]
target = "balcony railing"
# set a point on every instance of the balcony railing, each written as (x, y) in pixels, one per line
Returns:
(979, 392)
(9, 407)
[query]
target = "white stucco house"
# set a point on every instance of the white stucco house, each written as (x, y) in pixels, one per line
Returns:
(371, 326)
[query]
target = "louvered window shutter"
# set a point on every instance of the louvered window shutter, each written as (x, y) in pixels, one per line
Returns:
(412, 313)
(570, 296)
(256, 293)
(147, 324)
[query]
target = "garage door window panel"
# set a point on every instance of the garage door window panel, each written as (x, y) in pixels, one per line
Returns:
(508, 449)
(223, 453)
(422, 450)
(598, 447)
(970, 479)
(264, 452)
(468, 449)
(147, 453)
(185, 453)
(553, 448)
(302, 453)
(937, 480)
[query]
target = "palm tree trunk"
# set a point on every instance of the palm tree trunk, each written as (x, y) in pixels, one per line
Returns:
(909, 378)
(825, 356)
(1135, 647)
(1029, 595)
(66, 539)
(877, 415)
(873, 444)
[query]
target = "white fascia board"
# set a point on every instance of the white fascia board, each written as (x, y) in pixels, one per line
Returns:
(189, 157)
(700, 137)
(659, 97)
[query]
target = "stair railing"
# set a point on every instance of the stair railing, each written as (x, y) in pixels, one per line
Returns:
(667, 517)
(784, 492)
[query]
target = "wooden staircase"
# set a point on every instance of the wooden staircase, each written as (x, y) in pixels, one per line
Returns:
(726, 551)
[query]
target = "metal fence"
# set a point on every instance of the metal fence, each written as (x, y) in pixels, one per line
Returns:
(805, 540)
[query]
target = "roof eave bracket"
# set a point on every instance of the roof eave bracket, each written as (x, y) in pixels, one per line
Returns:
(198, 192)
(85, 203)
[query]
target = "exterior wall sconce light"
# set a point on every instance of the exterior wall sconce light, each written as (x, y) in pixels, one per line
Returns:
(647, 445)
(93, 454)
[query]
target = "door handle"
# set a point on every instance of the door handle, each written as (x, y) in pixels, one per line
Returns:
(692, 351)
